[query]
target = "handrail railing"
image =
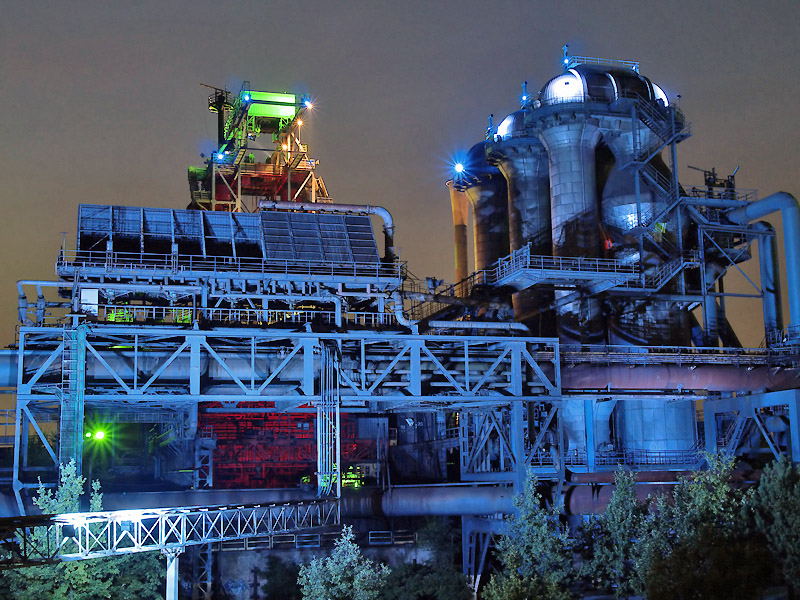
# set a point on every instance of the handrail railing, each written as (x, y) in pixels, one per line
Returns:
(135, 313)
(80, 536)
(70, 259)
(740, 194)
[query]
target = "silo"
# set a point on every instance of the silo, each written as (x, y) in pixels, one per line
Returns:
(570, 137)
(459, 204)
(522, 159)
(579, 113)
(485, 188)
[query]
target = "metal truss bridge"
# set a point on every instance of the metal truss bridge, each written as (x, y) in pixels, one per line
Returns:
(37, 540)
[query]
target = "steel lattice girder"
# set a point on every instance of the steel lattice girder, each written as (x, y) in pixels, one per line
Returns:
(163, 366)
(80, 536)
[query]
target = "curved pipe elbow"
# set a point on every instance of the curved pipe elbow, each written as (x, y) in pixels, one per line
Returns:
(783, 201)
(401, 318)
(790, 211)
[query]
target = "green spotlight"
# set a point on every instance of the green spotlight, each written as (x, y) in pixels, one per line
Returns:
(99, 435)
(88, 434)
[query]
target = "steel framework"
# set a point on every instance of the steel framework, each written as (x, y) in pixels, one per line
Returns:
(82, 536)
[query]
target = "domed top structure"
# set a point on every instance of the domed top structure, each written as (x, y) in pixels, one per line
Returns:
(512, 126)
(589, 83)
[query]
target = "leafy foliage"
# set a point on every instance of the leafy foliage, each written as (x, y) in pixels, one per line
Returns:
(535, 554)
(127, 578)
(436, 579)
(696, 547)
(773, 509)
(611, 539)
(344, 575)
(414, 581)
(513, 586)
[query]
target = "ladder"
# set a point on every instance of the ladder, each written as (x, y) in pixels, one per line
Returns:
(73, 385)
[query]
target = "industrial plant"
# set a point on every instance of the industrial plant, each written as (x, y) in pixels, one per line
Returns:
(251, 371)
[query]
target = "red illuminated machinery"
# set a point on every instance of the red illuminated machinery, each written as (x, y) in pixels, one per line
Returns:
(273, 450)
(241, 172)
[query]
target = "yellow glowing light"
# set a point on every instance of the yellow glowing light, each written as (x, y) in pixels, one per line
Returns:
(285, 147)
(300, 122)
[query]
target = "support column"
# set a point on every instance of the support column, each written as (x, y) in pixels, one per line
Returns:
(794, 426)
(172, 555)
(73, 375)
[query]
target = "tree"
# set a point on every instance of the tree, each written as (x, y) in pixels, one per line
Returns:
(611, 539)
(773, 509)
(416, 581)
(535, 553)
(513, 586)
(344, 575)
(126, 577)
(701, 528)
(437, 578)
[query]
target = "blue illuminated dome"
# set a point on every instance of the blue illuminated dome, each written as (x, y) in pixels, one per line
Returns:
(588, 83)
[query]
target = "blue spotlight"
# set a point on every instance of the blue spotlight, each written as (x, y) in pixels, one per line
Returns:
(459, 167)
(246, 97)
(220, 156)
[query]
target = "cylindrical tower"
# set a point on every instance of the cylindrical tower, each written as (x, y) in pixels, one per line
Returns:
(522, 159)
(570, 140)
(459, 204)
(485, 187)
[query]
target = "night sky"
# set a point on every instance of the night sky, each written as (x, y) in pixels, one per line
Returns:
(102, 103)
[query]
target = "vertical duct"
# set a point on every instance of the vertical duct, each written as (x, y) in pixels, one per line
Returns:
(574, 216)
(770, 278)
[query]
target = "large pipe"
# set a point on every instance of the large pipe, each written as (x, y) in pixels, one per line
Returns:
(351, 209)
(397, 300)
(478, 325)
(579, 377)
(790, 212)
(588, 499)
(442, 500)
(447, 501)
(770, 276)
(713, 378)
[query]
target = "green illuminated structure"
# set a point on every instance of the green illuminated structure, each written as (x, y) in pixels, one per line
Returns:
(240, 169)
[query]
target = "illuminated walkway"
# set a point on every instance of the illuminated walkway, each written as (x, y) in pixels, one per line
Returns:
(80, 536)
